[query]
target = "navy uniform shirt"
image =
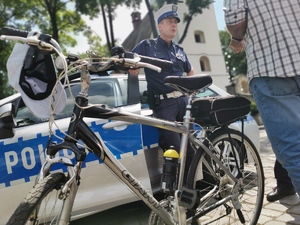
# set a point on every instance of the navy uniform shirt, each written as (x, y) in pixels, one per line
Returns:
(158, 48)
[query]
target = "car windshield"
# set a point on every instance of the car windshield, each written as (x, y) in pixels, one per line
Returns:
(101, 91)
(207, 93)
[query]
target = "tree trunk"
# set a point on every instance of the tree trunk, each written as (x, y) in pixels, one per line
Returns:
(185, 29)
(112, 37)
(105, 26)
(52, 13)
(152, 20)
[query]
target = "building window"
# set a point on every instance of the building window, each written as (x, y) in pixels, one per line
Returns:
(204, 64)
(199, 36)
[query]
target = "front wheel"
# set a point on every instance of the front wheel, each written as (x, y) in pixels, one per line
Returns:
(243, 161)
(42, 205)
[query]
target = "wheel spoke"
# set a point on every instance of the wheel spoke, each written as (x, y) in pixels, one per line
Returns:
(242, 162)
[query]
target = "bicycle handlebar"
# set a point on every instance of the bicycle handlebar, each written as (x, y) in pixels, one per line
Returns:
(13, 32)
(42, 41)
(164, 64)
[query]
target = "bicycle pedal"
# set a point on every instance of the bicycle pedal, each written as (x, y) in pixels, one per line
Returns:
(189, 198)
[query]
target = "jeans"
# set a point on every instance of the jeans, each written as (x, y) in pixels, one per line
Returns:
(278, 102)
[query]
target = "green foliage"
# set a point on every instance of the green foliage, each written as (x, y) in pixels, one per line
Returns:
(52, 17)
(253, 108)
(10, 15)
(92, 8)
(238, 61)
(5, 89)
(197, 6)
(88, 7)
(107, 8)
(94, 42)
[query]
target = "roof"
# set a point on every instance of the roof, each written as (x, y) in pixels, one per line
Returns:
(143, 31)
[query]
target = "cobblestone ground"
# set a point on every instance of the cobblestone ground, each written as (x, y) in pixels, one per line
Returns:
(274, 213)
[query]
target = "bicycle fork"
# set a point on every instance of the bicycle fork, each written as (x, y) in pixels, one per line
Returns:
(69, 190)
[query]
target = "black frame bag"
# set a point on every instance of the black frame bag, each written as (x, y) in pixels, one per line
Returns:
(218, 111)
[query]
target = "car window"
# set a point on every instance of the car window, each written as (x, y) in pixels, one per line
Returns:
(101, 91)
(25, 117)
(143, 89)
(207, 93)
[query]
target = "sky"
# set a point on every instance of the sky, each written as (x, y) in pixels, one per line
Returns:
(123, 25)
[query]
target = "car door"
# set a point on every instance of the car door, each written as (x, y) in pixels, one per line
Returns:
(22, 155)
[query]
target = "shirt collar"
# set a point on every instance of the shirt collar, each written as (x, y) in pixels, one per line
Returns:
(163, 42)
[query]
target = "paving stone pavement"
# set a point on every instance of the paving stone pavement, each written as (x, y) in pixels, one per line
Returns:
(274, 213)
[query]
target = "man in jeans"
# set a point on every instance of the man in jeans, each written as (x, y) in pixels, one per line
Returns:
(272, 46)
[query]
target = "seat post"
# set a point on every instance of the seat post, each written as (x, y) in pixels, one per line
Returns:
(184, 142)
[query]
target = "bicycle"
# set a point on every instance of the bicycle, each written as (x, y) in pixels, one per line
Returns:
(225, 175)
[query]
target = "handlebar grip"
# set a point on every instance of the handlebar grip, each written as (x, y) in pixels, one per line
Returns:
(164, 64)
(13, 32)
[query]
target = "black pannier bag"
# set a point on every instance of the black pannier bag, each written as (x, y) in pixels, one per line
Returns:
(219, 110)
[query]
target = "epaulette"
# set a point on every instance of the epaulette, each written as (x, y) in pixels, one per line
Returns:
(150, 41)
(177, 44)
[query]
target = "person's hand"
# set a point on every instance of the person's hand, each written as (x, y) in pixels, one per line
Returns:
(236, 46)
(134, 71)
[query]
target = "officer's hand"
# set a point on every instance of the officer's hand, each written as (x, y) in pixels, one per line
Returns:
(134, 71)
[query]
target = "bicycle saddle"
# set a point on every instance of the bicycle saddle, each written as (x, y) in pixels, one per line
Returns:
(188, 84)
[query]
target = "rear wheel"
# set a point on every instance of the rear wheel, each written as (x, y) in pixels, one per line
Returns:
(42, 205)
(244, 163)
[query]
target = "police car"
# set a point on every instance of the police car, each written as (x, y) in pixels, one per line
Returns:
(23, 138)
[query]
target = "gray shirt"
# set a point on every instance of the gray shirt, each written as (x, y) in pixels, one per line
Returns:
(272, 40)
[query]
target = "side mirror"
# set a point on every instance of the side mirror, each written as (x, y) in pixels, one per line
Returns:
(7, 121)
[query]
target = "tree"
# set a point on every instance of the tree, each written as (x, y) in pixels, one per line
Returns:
(195, 7)
(55, 17)
(94, 41)
(10, 14)
(47, 16)
(236, 63)
(107, 8)
(5, 90)
(151, 16)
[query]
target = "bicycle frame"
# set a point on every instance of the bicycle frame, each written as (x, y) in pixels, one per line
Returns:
(78, 129)
(98, 147)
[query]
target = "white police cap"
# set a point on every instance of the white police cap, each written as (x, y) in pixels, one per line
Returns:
(167, 11)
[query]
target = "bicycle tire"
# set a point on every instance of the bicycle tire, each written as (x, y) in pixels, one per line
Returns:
(252, 194)
(34, 208)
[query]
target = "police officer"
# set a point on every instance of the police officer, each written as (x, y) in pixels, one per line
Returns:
(166, 102)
